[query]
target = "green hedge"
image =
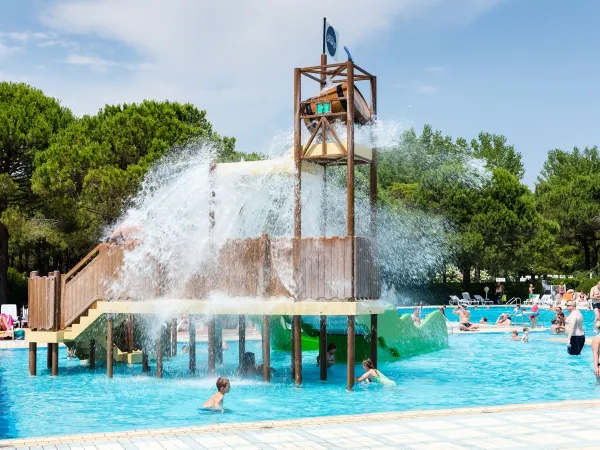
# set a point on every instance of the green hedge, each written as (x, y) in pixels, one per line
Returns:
(17, 287)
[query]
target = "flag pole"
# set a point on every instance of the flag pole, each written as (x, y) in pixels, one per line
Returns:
(324, 31)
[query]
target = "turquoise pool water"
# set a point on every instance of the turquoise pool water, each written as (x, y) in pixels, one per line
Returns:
(476, 370)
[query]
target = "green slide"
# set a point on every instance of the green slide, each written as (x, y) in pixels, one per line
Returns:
(398, 337)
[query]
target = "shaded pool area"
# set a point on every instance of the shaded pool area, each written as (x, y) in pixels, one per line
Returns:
(477, 369)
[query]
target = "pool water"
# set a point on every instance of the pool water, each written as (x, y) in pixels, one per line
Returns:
(477, 369)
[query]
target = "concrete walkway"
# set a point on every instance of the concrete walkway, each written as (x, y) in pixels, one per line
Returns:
(562, 425)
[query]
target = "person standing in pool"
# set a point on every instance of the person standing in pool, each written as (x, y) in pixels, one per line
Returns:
(372, 375)
(596, 356)
(215, 403)
(575, 331)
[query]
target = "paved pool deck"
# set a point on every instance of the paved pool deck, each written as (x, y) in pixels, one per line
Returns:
(560, 425)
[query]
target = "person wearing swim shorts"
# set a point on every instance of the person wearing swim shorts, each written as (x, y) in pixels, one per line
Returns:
(465, 318)
(595, 301)
(575, 331)
(596, 356)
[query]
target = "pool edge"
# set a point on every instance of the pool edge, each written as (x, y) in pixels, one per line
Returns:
(278, 424)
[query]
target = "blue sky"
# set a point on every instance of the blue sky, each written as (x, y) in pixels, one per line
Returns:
(527, 69)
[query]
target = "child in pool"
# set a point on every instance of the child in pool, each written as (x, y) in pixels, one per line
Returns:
(372, 375)
(215, 403)
(525, 337)
(515, 336)
(331, 348)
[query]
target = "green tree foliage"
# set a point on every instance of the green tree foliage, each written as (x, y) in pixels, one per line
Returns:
(96, 164)
(28, 122)
(476, 186)
(568, 192)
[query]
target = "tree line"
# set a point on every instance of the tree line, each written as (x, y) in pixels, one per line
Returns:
(63, 179)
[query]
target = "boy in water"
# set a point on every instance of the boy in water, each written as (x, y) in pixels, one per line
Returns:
(525, 337)
(515, 336)
(215, 403)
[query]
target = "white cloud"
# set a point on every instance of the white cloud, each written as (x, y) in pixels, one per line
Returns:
(427, 89)
(435, 69)
(233, 58)
(94, 62)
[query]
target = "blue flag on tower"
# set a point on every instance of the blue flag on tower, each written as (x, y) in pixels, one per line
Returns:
(331, 40)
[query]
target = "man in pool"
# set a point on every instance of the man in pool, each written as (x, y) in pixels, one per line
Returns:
(215, 403)
(575, 332)
(465, 318)
(596, 356)
(595, 301)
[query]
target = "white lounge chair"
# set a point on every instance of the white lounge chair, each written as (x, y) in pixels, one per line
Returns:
(467, 297)
(454, 300)
(482, 300)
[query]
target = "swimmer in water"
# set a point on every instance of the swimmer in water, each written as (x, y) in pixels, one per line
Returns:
(215, 403)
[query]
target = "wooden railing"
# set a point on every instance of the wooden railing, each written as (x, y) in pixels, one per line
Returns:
(253, 267)
(87, 281)
(44, 301)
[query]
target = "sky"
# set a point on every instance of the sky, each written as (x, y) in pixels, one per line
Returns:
(526, 69)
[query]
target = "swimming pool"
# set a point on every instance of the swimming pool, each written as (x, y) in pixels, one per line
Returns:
(477, 369)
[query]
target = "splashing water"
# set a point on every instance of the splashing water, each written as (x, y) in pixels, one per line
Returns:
(252, 198)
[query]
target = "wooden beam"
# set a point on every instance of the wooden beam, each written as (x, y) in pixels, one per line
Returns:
(33, 359)
(92, 357)
(351, 350)
(374, 341)
(266, 347)
(312, 77)
(297, 350)
(323, 348)
(109, 347)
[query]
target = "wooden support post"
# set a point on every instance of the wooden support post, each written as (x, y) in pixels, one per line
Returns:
(374, 342)
(350, 171)
(218, 340)
(109, 347)
(130, 330)
(297, 155)
(242, 338)
(33, 359)
(211, 345)
(297, 350)
(49, 356)
(350, 346)
(266, 347)
(323, 349)
(55, 359)
(92, 358)
(159, 356)
(145, 365)
(192, 342)
(174, 337)
(373, 167)
(57, 300)
(293, 358)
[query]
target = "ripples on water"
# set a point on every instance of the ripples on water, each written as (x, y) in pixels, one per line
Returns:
(475, 370)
